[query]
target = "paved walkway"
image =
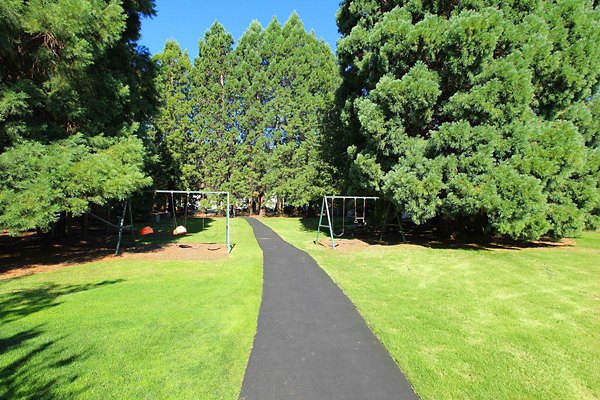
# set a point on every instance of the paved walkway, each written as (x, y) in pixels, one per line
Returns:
(311, 343)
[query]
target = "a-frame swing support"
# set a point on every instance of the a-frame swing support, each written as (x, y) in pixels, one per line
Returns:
(385, 222)
(126, 206)
(325, 210)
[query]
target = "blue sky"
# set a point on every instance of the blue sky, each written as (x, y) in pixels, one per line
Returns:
(187, 20)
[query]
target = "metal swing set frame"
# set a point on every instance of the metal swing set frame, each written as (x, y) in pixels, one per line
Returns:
(206, 192)
(327, 209)
(172, 192)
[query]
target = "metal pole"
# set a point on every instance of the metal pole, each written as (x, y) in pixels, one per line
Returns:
(330, 226)
(121, 229)
(383, 223)
(186, 191)
(227, 226)
(353, 197)
(131, 220)
(320, 220)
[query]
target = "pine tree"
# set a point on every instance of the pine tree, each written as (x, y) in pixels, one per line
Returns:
(256, 113)
(213, 111)
(302, 75)
(474, 113)
(250, 85)
(173, 131)
(75, 90)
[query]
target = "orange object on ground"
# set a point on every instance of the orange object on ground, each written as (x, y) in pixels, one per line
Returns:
(146, 231)
(180, 230)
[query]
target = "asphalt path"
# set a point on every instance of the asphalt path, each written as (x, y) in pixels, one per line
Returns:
(311, 342)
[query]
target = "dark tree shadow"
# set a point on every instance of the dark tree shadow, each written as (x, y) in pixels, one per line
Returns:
(40, 372)
(20, 253)
(20, 303)
(424, 235)
(33, 365)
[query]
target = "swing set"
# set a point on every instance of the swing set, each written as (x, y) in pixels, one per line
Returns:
(181, 229)
(178, 229)
(121, 227)
(358, 216)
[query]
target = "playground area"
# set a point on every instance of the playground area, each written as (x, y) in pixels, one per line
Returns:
(498, 301)
(346, 224)
(181, 227)
(29, 254)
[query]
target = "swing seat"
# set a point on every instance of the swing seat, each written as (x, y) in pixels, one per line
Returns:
(147, 230)
(180, 230)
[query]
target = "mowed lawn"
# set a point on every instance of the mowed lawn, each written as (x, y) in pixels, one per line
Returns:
(476, 324)
(133, 329)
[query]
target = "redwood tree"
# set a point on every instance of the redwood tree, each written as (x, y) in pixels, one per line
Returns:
(477, 113)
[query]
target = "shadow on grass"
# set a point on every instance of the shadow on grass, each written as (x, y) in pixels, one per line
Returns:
(425, 236)
(38, 370)
(23, 302)
(32, 365)
(20, 253)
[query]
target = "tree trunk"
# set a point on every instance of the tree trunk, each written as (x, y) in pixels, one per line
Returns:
(63, 224)
(107, 216)
(67, 223)
(84, 224)
(279, 208)
(185, 209)
(262, 204)
(449, 228)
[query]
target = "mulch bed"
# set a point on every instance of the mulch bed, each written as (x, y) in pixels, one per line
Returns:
(30, 254)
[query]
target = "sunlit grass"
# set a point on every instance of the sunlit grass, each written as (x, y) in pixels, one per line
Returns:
(476, 324)
(132, 329)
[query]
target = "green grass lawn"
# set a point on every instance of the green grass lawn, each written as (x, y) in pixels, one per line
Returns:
(476, 324)
(133, 329)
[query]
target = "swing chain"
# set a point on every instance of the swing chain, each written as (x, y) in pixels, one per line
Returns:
(185, 209)
(173, 208)
(204, 227)
(343, 217)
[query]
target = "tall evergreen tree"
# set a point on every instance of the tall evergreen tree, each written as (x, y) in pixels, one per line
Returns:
(213, 108)
(477, 113)
(255, 113)
(302, 80)
(172, 130)
(250, 98)
(73, 85)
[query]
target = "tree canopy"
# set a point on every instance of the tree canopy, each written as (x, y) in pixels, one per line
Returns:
(75, 89)
(248, 119)
(482, 115)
